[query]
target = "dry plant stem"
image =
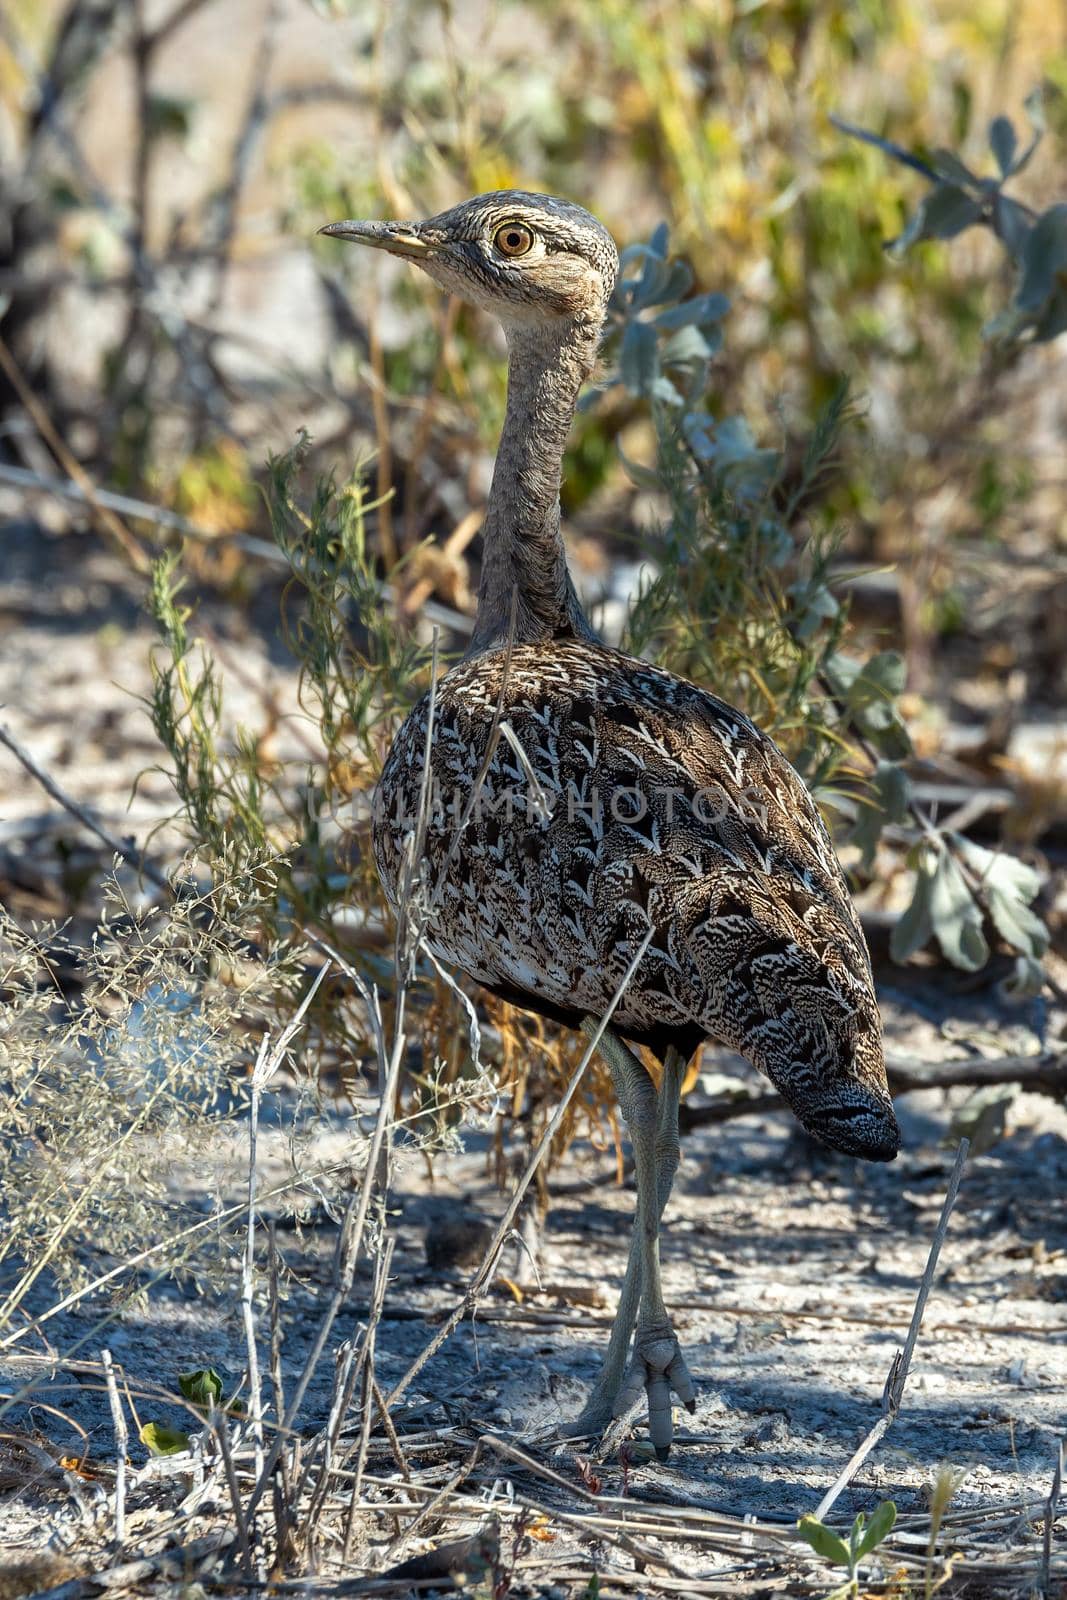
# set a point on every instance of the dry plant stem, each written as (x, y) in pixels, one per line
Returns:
(381, 1283)
(429, 1510)
(893, 1393)
(344, 1380)
(260, 1073)
(219, 1424)
(345, 1261)
(390, 1431)
(179, 1564)
(77, 1295)
(1050, 1517)
(268, 1061)
(132, 857)
(118, 1418)
(62, 489)
(487, 1267)
(70, 464)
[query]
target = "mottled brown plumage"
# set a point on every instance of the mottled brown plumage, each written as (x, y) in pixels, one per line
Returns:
(581, 797)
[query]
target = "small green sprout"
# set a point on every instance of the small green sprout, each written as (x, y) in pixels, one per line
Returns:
(863, 1537)
(159, 1440)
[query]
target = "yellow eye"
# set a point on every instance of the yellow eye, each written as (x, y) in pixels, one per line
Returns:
(513, 239)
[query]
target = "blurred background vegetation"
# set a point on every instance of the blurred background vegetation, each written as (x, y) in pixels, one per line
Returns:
(868, 531)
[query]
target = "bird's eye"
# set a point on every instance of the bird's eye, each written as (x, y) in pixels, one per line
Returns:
(513, 239)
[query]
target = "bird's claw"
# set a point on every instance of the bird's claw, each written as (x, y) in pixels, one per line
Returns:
(657, 1367)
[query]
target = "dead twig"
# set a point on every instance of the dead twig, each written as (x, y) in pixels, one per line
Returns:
(123, 848)
(893, 1393)
(1050, 1517)
(106, 517)
(118, 1418)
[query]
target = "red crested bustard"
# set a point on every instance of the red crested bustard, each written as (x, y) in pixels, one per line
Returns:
(627, 802)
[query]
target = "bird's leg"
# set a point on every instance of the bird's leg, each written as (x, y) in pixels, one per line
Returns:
(653, 1123)
(657, 1365)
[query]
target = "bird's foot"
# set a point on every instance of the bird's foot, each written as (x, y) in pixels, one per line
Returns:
(657, 1367)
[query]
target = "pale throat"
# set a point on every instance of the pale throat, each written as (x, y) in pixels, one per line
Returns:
(524, 562)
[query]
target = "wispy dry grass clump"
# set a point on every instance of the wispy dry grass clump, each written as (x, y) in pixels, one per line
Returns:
(120, 1059)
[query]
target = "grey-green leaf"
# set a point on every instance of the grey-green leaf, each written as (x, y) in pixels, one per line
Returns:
(879, 1527)
(1003, 143)
(915, 928)
(824, 1541)
(639, 357)
(1012, 223)
(700, 309)
(956, 916)
(948, 211)
(949, 166)
(1044, 257)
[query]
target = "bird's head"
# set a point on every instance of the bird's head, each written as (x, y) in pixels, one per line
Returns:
(525, 258)
(832, 1075)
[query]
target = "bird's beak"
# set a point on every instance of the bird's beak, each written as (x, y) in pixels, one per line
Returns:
(399, 238)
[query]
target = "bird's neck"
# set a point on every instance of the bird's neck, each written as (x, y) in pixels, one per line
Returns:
(524, 563)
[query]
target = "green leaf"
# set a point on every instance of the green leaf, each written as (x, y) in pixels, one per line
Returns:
(202, 1388)
(639, 357)
(915, 928)
(1008, 885)
(169, 116)
(1012, 224)
(700, 309)
(160, 1440)
(879, 1528)
(824, 1541)
(948, 165)
(1053, 320)
(956, 916)
(886, 801)
(887, 672)
(1003, 143)
(1044, 256)
(944, 213)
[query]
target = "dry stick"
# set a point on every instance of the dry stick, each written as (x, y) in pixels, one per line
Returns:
(118, 1418)
(390, 1430)
(178, 1564)
(70, 463)
(381, 1282)
(893, 1393)
(267, 1063)
(219, 1424)
(429, 1509)
(1050, 1517)
(277, 1381)
(345, 1260)
(488, 1263)
(113, 842)
(63, 489)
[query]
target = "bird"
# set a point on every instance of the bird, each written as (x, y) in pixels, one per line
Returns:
(554, 807)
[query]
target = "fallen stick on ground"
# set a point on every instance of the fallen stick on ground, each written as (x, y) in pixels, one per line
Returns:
(120, 847)
(893, 1393)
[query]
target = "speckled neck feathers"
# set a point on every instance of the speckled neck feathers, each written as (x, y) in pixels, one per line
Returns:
(524, 565)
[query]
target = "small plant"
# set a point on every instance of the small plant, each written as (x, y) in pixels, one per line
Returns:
(1035, 242)
(863, 1537)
